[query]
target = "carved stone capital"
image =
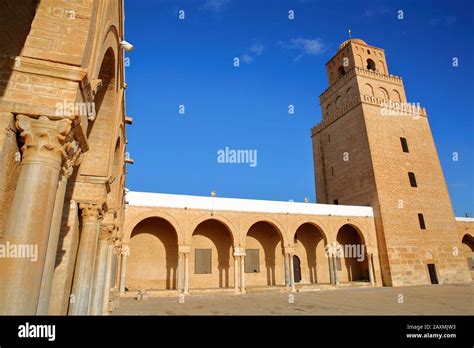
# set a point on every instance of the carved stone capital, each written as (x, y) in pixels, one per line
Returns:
(106, 231)
(44, 139)
(91, 212)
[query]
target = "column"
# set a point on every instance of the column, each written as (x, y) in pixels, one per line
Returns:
(331, 270)
(123, 267)
(292, 273)
(74, 152)
(108, 276)
(180, 272)
(100, 271)
(242, 274)
(334, 266)
(236, 274)
(63, 273)
(85, 262)
(29, 221)
(371, 270)
(287, 271)
(186, 273)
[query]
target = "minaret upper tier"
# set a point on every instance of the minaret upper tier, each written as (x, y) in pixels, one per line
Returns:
(355, 52)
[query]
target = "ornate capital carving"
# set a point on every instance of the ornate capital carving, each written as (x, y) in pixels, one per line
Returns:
(43, 139)
(91, 211)
(73, 157)
(106, 231)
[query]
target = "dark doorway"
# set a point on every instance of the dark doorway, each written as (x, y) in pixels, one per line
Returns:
(297, 268)
(433, 275)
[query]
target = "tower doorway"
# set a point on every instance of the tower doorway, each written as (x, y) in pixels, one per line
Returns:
(297, 268)
(432, 272)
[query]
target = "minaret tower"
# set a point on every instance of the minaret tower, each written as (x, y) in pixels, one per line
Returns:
(373, 148)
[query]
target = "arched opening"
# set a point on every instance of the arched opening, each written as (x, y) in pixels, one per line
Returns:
(211, 254)
(370, 64)
(153, 260)
(468, 251)
(352, 263)
(264, 260)
(369, 89)
(100, 129)
(297, 268)
(383, 93)
(341, 71)
(309, 246)
(338, 101)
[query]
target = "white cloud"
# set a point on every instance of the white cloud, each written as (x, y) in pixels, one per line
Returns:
(246, 58)
(215, 5)
(257, 49)
(304, 47)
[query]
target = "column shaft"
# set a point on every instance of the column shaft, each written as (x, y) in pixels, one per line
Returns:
(292, 273)
(123, 269)
(242, 274)
(186, 273)
(236, 274)
(287, 271)
(331, 271)
(31, 212)
(108, 277)
(371, 270)
(86, 256)
(180, 273)
(100, 273)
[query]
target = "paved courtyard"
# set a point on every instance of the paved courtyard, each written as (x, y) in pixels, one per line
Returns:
(416, 300)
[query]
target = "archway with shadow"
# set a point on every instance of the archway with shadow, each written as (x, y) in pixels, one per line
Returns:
(211, 255)
(468, 250)
(309, 241)
(352, 265)
(264, 260)
(153, 260)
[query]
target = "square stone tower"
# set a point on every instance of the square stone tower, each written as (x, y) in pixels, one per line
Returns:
(373, 148)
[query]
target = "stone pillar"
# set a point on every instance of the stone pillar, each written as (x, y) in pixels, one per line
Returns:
(31, 211)
(236, 274)
(123, 267)
(370, 264)
(242, 274)
(85, 262)
(332, 279)
(292, 273)
(100, 271)
(334, 267)
(180, 273)
(108, 276)
(74, 155)
(287, 271)
(186, 273)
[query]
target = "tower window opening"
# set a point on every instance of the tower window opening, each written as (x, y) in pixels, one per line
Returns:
(411, 177)
(368, 51)
(404, 143)
(332, 170)
(421, 220)
(341, 71)
(370, 64)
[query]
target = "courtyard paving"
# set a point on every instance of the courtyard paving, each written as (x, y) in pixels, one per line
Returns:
(415, 300)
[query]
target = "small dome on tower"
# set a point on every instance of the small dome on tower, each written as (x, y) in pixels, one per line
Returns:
(359, 41)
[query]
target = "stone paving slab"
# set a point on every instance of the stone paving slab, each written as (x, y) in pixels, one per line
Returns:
(417, 300)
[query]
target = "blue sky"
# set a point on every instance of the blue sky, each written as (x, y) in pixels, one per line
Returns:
(190, 62)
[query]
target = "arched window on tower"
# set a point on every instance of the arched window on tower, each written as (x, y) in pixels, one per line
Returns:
(370, 64)
(341, 71)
